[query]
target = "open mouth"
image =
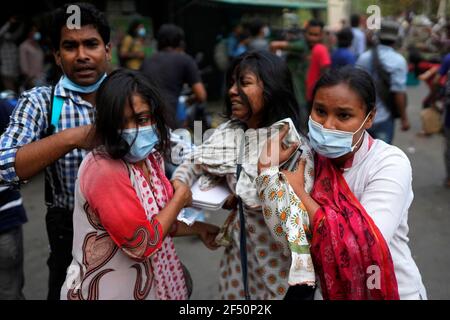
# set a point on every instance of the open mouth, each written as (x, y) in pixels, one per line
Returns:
(236, 103)
(85, 71)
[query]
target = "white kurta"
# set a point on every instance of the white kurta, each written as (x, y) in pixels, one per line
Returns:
(381, 179)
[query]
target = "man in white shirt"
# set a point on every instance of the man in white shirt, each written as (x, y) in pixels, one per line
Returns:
(395, 65)
(359, 37)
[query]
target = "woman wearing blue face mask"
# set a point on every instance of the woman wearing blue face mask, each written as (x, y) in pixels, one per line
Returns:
(132, 47)
(125, 208)
(358, 207)
(31, 58)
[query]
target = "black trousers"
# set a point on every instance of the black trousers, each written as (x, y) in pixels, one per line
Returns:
(300, 292)
(60, 236)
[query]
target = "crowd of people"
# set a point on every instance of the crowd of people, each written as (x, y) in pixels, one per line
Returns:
(319, 197)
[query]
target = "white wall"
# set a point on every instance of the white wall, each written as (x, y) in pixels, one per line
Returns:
(338, 10)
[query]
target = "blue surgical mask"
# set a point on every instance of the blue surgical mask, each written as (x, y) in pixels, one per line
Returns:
(72, 86)
(142, 32)
(146, 140)
(37, 36)
(331, 143)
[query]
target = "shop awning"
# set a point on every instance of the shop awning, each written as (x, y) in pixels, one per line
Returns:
(293, 4)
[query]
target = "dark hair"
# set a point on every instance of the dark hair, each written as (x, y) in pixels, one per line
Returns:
(244, 35)
(90, 15)
(356, 78)
(112, 97)
(169, 35)
(254, 26)
(132, 27)
(387, 42)
(344, 38)
(278, 93)
(315, 23)
(354, 20)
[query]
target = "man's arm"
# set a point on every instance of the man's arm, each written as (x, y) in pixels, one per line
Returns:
(199, 92)
(361, 44)
(401, 102)
(22, 154)
(192, 78)
(278, 45)
(324, 59)
(34, 157)
(398, 88)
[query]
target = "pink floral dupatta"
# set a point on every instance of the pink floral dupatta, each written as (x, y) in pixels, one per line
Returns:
(349, 252)
(168, 275)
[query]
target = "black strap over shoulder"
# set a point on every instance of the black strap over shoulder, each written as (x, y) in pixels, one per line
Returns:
(383, 83)
(243, 236)
(52, 181)
(50, 129)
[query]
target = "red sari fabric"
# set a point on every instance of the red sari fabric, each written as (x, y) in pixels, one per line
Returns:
(349, 252)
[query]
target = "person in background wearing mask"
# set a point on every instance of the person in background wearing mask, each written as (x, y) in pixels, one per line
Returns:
(358, 207)
(125, 207)
(35, 141)
(132, 52)
(10, 33)
(259, 33)
(32, 59)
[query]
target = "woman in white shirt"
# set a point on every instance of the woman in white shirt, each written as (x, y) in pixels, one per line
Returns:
(358, 208)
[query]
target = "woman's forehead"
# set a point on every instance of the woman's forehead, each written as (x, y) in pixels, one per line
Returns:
(245, 71)
(339, 95)
(138, 105)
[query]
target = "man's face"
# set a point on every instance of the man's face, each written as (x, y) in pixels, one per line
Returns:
(82, 55)
(314, 35)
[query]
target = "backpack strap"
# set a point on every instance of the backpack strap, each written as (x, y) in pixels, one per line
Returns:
(56, 104)
(383, 83)
(242, 234)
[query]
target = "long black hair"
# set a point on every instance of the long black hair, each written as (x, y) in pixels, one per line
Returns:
(357, 80)
(112, 97)
(278, 92)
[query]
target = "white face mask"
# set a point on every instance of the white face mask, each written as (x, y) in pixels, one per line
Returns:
(332, 143)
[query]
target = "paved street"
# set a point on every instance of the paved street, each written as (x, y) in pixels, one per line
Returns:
(429, 222)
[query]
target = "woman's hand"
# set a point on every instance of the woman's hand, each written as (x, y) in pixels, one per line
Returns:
(275, 152)
(231, 203)
(207, 233)
(297, 182)
(84, 137)
(297, 178)
(182, 193)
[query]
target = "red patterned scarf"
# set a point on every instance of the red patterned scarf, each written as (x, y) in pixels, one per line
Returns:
(349, 252)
